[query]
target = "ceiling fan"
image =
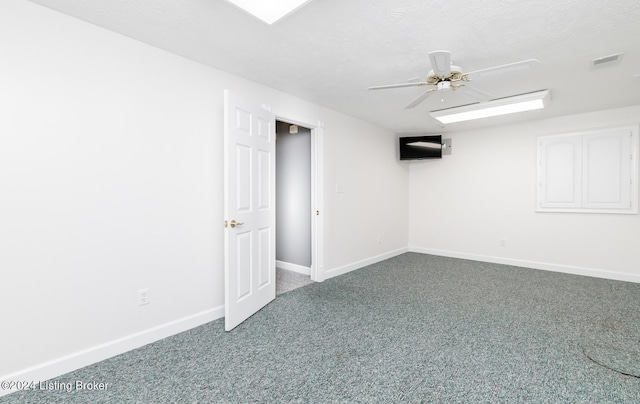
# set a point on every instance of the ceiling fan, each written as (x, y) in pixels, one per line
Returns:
(444, 75)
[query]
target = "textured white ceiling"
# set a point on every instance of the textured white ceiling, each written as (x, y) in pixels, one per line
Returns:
(330, 51)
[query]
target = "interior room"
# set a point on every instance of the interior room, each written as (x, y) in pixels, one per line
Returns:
(136, 225)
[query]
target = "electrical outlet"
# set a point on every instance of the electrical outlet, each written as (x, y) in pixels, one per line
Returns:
(143, 297)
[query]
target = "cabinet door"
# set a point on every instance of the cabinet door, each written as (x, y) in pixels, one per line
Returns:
(607, 170)
(559, 175)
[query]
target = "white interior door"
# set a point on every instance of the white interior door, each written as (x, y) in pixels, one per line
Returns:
(250, 262)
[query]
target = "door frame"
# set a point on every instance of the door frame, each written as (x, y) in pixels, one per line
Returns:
(317, 194)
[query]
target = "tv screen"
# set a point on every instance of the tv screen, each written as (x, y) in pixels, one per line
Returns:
(421, 147)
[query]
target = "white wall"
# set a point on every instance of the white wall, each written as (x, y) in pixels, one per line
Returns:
(369, 199)
(464, 204)
(293, 195)
(111, 178)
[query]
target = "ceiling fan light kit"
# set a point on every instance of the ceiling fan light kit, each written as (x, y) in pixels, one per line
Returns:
(501, 106)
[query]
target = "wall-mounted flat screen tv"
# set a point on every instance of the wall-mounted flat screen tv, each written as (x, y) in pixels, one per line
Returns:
(421, 147)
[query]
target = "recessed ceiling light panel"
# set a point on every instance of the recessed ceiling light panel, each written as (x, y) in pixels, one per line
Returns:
(269, 11)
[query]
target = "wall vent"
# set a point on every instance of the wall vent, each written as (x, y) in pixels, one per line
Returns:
(606, 60)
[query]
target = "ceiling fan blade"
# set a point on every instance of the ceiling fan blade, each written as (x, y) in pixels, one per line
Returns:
(510, 67)
(476, 94)
(440, 62)
(422, 83)
(421, 98)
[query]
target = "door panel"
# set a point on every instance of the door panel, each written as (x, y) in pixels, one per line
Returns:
(265, 129)
(243, 254)
(243, 178)
(264, 237)
(264, 175)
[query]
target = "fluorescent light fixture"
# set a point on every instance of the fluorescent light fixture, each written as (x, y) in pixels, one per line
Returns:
(501, 106)
(269, 11)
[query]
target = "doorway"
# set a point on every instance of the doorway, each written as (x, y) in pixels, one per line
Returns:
(293, 206)
(250, 206)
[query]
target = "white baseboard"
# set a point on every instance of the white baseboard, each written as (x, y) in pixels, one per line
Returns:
(77, 360)
(293, 267)
(547, 266)
(361, 264)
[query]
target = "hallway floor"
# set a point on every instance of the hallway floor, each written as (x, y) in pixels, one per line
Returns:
(289, 280)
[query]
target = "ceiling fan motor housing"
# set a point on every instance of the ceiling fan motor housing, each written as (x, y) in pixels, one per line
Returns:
(453, 76)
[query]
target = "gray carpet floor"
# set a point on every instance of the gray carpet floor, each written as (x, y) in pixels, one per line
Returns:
(288, 280)
(415, 328)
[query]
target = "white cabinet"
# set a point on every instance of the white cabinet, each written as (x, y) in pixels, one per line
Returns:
(593, 171)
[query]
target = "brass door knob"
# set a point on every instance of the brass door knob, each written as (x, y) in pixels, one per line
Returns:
(233, 223)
